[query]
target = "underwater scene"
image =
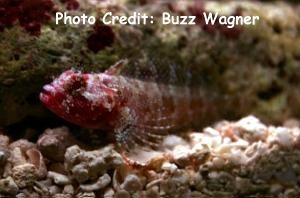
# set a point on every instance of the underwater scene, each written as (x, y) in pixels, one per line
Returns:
(149, 98)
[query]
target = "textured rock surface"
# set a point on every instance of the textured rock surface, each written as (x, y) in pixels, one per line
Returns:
(256, 67)
(240, 158)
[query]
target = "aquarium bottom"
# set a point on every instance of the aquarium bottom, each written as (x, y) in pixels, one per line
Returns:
(242, 158)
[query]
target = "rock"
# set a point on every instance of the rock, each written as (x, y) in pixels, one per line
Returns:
(86, 195)
(8, 186)
(109, 192)
(54, 142)
(68, 189)
(289, 193)
(122, 194)
(132, 183)
(59, 179)
(25, 175)
(23, 144)
(101, 183)
(87, 165)
(4, 140)
(61, 195)
(169, 167)
(4, 154)
(80, 173)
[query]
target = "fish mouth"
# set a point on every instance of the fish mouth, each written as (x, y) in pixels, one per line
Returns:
(46, 93)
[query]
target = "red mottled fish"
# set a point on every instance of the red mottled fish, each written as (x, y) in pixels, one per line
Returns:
(136, 111)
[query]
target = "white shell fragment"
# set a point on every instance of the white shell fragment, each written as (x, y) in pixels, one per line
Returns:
(244, 157)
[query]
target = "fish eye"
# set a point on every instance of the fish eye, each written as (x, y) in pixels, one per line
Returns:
(75, 84)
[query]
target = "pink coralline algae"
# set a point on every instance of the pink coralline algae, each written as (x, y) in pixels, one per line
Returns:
(30, 14)
(71, 4)
(102, 37)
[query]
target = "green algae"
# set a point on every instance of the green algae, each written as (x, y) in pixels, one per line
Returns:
(243, 70)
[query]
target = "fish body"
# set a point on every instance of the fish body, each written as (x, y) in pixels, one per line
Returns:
(136, 111)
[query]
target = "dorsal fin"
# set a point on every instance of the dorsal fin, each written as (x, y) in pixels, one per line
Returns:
(117, 67)
(162, 71)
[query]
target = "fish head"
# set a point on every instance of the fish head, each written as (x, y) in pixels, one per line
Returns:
(88, 100)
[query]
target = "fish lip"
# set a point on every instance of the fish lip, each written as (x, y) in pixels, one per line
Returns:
(44, 98)
(47, 91)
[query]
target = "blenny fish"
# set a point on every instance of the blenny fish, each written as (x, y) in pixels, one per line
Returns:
(137, 112)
